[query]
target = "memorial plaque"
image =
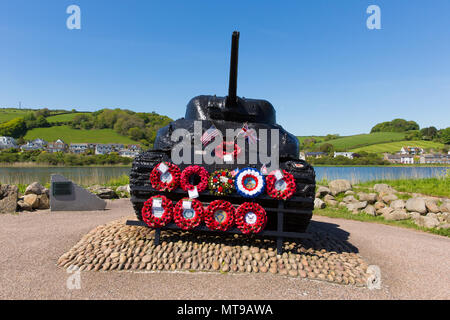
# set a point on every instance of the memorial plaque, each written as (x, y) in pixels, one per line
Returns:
(62, 188)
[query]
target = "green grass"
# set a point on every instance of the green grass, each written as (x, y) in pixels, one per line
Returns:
(119, 181)
(69, 135)
(430, 186)
(363, 140)
(393, 147)
(318, 138)
(9, 114)
(64, 117)
(345, 214)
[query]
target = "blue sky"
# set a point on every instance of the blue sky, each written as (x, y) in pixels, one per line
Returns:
(315, 61)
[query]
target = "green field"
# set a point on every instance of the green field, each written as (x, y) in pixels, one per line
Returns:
(318, 138)
(64, 117)
(69, 135)
(362, 140)
(394, 147)
(9, 114)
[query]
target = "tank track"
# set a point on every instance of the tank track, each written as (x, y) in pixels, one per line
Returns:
(298, 211)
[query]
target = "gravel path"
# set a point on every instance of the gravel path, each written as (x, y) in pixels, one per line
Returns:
(414, 265)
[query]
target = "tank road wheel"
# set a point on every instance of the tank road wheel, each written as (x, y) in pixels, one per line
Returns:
(188, 213)
(251, 218)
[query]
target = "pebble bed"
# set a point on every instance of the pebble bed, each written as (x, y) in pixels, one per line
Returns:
(118, 247)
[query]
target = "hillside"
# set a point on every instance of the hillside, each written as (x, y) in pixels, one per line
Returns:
(394, 147)
(64, 117)
(69, 135)
(9, 114)
(362, 140)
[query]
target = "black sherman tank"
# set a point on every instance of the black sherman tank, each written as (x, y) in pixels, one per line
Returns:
(231, 112)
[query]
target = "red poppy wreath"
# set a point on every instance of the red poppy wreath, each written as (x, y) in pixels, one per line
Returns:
(187, 178)
(251, 218)
(165, 176)
(219, 215)
(283, 188)
(188, 213)
(157, 211)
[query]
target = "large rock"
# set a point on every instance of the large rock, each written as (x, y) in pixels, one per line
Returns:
(385, 211)
(35, 188)
(105, 193)
(379, 205)
(387, 197)
(349, 199)
(445, 206)
(32, 200)
(396, 215)
(431, 205)
(8, 198)
(330, 200)
(416, 205)
(426, 222)
(322, 191)
(397, 204)
(123, 189)
(44, 202)
(370, 210)
(369, 197)
(24, 206)
(319, 204)
(339, 186)
(355, 206)
(382, 187)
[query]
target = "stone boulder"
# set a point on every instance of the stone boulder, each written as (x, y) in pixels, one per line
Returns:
(431, 205)
(339, 186)
(349, 199)
(399, 214)
(32, 200)
(355, 206)
(445, 206)
(387, 197)
(426, 222)
(397, 204)
(23, 206)
(349, 192)
(8, 198)
(382, 187)
(385, 211)
(322, 191)
(44, 201)
(104, 192)
(331, 202)
(416, 205)
(35, 188)
(369, 197)
(370, 210)
(123, 189)
(318, 203)
(379, 205)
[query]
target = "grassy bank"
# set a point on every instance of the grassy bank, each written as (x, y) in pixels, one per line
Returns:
(430, 186)
(345, 214)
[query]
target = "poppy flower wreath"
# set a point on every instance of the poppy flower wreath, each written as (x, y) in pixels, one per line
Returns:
(251, 218)
(283, 188)
(165, 176)
(157, 211)
(221, 182)
(190, 216)
(188, 173)
(219, 215)
(249, 183)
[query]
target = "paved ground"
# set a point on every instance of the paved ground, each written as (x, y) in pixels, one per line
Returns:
(414, 265)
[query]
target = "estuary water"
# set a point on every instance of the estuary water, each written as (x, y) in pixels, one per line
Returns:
(101, 175)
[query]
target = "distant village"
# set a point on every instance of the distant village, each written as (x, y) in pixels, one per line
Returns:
(406, 155)
(129, 151)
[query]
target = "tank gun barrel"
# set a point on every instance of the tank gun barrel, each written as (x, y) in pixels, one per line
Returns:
(232, 89)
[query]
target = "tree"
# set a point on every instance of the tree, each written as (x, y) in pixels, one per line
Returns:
(428, 133)
(396, 125)
(445, 135)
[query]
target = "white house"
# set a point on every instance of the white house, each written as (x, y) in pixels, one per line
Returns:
(7, 143)
(128, 153)
(103, 149)
(411, 150)
(435, 158)
(79, 148)
(344, 154)
(407, 159)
